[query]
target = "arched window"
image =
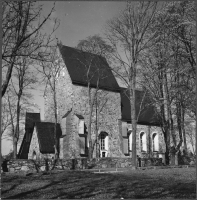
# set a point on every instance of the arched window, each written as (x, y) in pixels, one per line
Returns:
(155, 142)
(143, 145)
(130, 140)
(103, 144)
(81, 126)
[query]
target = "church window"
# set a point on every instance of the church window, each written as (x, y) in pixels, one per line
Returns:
(102, 141)
(130, 140)
(81, 126)
(155, 142)
(143, 146)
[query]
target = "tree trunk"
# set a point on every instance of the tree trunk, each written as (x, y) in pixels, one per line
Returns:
(133, 115)
(176, 159)
(8, 75)
(168, 121)
(167, 144)
(179, 123)
(184, 139)
(91, 103)
(98, 111)
(13, 131)
(149, 143)
(56, 142)
(134, 156)
(17, 129)
(15, 141)
(183, 128)
(55, 127)
(96, 129)
(90, 139)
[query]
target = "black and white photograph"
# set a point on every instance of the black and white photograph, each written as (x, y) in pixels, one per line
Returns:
(98, 100)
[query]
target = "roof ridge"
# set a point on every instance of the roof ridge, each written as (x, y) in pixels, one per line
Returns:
(81, 51)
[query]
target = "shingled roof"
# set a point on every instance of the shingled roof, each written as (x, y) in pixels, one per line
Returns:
(144, 108)
(45, 133)
(77, 63)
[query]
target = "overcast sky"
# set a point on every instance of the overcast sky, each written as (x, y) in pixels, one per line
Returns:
(78, 20)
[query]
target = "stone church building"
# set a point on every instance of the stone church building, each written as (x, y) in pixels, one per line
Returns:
(83, 76)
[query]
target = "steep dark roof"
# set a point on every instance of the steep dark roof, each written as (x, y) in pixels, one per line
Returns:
(147, 112)
(30, 120)
(77, 63)
(45, 133)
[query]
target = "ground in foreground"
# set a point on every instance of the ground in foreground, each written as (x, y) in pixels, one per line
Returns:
(158, 183)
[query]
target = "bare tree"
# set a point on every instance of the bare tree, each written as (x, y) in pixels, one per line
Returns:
(167, 75)
(23, 79)
(93, 69)
(8, 113)
(97, 98)
(97, 45)
(5, 117)
(21, 25)
(185, 33)
(9, 118)
(50, 71)
(128, 36)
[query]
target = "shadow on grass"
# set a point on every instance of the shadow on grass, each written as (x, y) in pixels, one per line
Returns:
(11, 188)
(75, 185)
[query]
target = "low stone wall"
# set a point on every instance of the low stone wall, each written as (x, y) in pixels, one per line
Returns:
(146, 162)
(110, 162)
(123, 162)
(20, 165)
(80, 163)
(45, 165)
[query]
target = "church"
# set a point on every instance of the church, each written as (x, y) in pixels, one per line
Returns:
(83, 79)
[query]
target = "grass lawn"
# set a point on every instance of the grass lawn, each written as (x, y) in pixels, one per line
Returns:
(158, 183)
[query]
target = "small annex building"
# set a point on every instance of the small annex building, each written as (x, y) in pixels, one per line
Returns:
(38, 141)
(111, 112)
